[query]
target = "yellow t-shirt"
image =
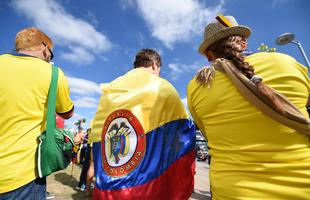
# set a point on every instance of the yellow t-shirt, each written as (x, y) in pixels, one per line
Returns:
(24, 85)
(253, 156)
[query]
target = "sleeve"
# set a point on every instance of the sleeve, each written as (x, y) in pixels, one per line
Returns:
(63, 102)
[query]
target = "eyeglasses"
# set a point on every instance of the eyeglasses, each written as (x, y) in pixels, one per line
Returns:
(52, 55)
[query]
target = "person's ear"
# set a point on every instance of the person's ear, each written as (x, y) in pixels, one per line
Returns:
(209, 55)
(155, 69)
(244, 45)
(154, 66)
(45, 53)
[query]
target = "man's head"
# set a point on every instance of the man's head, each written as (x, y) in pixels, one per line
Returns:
(224, 27)
(34, 42)
(149, 59)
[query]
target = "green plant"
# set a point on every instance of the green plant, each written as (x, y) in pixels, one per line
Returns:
(264, 48)
(79, 123)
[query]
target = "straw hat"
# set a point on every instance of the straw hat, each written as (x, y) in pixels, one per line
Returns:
(225, 26)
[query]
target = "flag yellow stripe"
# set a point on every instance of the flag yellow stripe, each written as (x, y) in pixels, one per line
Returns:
(153, 100)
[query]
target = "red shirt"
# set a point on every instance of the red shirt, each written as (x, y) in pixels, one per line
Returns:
(60, 122)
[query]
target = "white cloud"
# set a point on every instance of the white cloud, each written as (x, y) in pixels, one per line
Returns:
(64, 28)
(78, 55)
(83, 86)
(86, 92)
(174, 20)
(184, 101)
(178, 69)
(86, 102)
(77, 116)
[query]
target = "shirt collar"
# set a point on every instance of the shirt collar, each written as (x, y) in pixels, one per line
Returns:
(20, 54)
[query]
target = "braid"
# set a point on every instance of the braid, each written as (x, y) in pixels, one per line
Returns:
(230, 48)
(232, 51)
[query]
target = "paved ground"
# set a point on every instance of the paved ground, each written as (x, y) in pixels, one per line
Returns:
(62, 184)
(202, 184)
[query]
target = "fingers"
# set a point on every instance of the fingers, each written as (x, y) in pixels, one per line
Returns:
(79, 138)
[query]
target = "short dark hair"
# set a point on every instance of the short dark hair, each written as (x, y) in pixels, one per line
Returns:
(146, 57)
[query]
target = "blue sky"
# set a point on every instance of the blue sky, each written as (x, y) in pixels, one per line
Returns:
(96, 40)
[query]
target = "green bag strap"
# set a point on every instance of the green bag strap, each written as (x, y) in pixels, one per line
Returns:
(51, 104)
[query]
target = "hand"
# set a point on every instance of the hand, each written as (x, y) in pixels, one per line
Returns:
(79, 138)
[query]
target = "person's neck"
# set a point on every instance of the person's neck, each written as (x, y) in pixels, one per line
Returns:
(148, 69)
(36, 54)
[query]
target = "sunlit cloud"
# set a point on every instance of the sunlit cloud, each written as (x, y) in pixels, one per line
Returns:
(177, 70)
(78, 55)
(184, 101)
(86, 102)
(174, 20)
(81, 41)
(86, 93)
(83, 86)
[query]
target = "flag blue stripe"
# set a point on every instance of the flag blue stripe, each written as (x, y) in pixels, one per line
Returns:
(164, 146)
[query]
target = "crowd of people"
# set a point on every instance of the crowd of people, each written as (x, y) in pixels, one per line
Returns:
(252, 108)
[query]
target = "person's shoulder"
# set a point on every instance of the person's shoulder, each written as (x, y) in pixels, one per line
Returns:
(163, 81)
(60, 71)
(161, 85)
(165, 87)
(201, 74)
(61, 74)
(138, 78)
(11, 55)
(192, 83)
(5, 55)
(271, 55)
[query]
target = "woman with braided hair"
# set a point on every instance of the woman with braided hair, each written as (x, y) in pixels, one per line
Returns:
(252, 111)
(231, 48)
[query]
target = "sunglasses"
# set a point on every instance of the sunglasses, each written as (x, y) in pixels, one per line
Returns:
(52, 54)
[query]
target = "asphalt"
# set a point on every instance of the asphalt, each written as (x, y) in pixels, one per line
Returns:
(62, 184)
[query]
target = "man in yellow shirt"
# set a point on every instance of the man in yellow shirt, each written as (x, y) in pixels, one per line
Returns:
(25, 80)
(143, 139)
(252, 155)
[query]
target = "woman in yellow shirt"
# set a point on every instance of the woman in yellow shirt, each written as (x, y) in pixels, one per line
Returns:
(253, 156)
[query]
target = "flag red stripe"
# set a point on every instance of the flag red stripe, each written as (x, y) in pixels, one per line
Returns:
(169, 185)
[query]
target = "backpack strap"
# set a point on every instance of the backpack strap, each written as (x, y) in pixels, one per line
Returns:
(51, 104)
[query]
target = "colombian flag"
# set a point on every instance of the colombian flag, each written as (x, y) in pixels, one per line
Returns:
(143, 140)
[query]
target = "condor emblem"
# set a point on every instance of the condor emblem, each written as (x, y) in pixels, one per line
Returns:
(123, 143)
